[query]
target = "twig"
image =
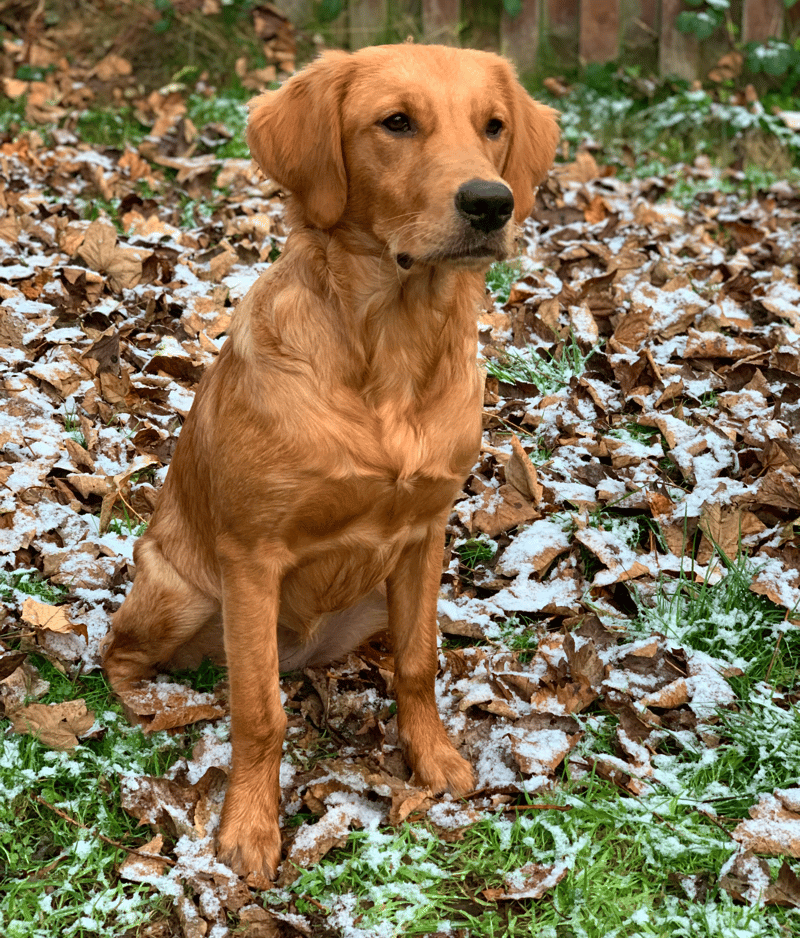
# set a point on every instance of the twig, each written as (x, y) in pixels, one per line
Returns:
(544, 806)
(114, 844)
(317, 904)
(128, 505)
(774, 656)
(714, 821)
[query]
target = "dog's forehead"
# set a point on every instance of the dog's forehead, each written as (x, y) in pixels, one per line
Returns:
(405, 75)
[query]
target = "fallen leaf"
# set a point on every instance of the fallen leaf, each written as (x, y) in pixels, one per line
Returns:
(314, 841)
(521, 473)
(540, 752)
(529, 882)
(774, 824)
(141, 869)
(504, 509)
(54, 618)
(672, 695)
(165, 706)
(58, 726)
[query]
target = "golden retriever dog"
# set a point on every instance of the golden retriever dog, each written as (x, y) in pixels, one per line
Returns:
(306, 504)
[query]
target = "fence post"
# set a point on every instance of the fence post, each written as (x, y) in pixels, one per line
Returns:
(762, 19)
(678, 53)
(639, 33)
(560, 33)
(598, 36)
(440, 21)
(519, 36)
(367, 21)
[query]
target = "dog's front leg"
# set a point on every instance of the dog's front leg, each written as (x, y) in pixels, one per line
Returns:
(249, 836)
(412, 591)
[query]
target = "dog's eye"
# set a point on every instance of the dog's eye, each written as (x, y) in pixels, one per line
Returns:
(494, 128)
(400, 124)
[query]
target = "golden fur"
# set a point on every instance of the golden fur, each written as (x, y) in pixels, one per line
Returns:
(306, 503)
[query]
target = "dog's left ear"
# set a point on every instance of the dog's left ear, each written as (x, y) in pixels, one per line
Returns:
(295, 136)
(534, 136)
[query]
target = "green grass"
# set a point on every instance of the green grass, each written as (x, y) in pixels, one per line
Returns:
(520, 635)
(59, 879)
(619, 852)
(501, 277)
(32, 583)
(111, 127)
(228, 109)
(759, 739)
(726, 620)
(475, 552)
(549, 372)
(72, 425)
(204, 679)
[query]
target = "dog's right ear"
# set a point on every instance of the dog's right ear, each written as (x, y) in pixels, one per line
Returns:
(295, 136)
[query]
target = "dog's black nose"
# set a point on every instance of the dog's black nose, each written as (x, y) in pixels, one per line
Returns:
(486, 205)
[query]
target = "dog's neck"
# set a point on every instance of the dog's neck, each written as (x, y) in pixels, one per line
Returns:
(411, 319)
(397, 338)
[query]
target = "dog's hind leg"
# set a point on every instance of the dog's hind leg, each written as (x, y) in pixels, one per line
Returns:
(161, 614)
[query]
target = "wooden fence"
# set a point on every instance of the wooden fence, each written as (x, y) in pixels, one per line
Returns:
(550, 34)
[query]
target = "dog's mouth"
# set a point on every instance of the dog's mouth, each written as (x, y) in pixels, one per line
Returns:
(480, 254)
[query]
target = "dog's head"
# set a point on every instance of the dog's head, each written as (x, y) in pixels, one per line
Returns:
(431, 152)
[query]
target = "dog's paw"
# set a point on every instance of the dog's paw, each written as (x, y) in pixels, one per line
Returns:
(124, 670)
(250, 849)
(442, 768)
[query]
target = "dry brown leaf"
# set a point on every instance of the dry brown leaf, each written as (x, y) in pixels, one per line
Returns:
(597, 210)
(122, 266)
(781, 586)
(718, 346)
(785, 891)
(193, 926)
(583, 170)
(540, 752)
(529, 882)
(780, 490)
(54, 618)
(620, 560)
(56, 725)
(164, 804)
(672, 695)
(568, 698)
(166, 706)
(314, 841)
(111, 67)
(521, 473)
(257, 923)
(23, 684)
(747, 875)
(407, 800)
(633, 328)
(141, 869)
(585, 664)
(80, 455)
(724, 527)
(505, 508)
(10, 662)
(774, 824)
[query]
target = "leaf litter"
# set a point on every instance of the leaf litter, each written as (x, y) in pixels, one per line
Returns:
(670, 455)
